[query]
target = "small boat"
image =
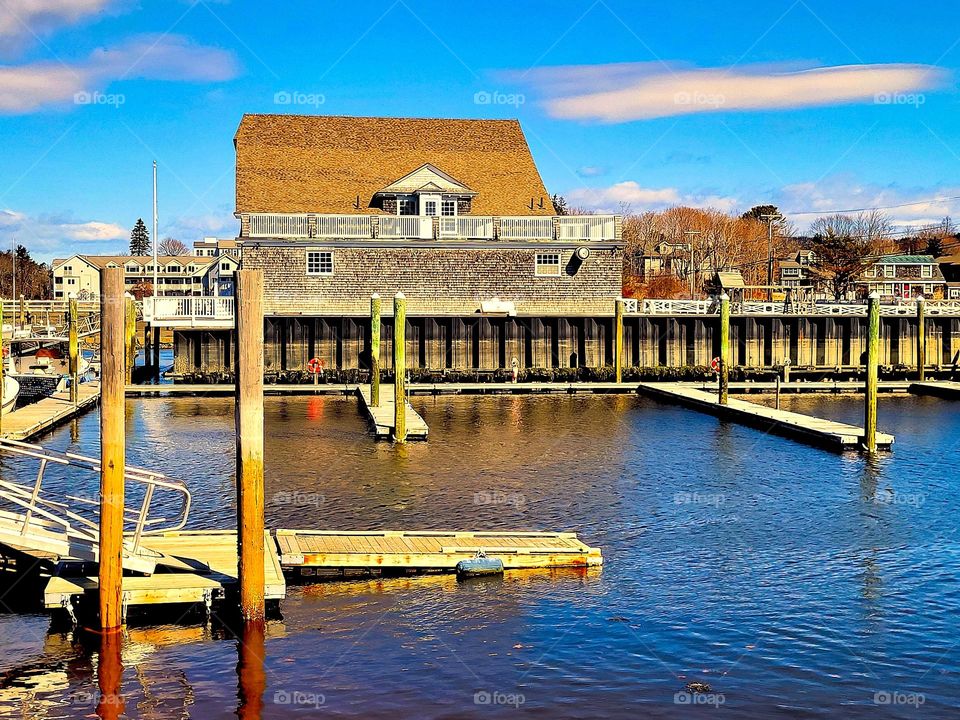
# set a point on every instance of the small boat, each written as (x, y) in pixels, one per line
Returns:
(479, 566)
(11, 391)
(41, 367)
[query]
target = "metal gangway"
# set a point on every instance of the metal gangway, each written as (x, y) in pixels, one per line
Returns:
(32, 520)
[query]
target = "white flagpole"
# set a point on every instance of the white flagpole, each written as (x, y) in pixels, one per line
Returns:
(156, 289)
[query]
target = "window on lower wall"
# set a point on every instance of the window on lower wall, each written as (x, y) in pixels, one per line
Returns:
(548, 264)
(319, 262)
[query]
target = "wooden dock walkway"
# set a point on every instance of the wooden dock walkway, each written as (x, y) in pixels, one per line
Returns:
(813, 430)
(381, 417)
(212, 554)
(429, 549)
(30, 420)
(944, 389)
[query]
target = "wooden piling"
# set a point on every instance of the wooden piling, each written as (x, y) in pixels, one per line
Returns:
(724, 348)
(3, 364)
(921, 338)
(249, 442)
(618, 341)
(74, 353)
(130, 336)
(112, 447)
(156, 352)
(870, 392)
(375, 350)
(23, 311)
(399, 368)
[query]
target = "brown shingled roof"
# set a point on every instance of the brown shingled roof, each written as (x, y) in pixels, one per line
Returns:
(301, 163)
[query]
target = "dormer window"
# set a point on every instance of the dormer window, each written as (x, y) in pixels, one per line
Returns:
(427, 191)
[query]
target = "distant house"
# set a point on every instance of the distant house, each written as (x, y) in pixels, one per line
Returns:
(79, 275)
(797, 270)
(950, 268)
(215, 247)
(903, 276)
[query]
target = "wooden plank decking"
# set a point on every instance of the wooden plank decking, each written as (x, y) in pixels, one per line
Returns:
(381, 417)
(30, 420)
(812, 430)
(430, 549)
(212, 554)
(944, 389)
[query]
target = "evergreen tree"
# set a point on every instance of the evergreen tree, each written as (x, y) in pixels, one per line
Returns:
(139, 239)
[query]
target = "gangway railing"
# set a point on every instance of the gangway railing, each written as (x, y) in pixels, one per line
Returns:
(30, 518)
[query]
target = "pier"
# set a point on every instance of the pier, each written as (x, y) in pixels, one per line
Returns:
(943, 389)
(381, 417)
(805, 428)
(31, 420)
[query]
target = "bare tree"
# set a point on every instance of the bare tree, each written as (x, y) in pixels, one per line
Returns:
(172, 246)
(845, 246)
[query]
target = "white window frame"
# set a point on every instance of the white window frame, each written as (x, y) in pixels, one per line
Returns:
(926, 271)
(319, 262)
(412, 199)
(452, 202)
(540, 262)
(889, 271)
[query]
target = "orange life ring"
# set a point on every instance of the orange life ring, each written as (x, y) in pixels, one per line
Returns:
(715, 364)
(315, 365)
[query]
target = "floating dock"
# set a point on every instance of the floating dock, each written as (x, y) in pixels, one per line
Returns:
(944, 389)
(805, 428)
(381, 417)
(427, 550)
(208, 571)
(30, 420)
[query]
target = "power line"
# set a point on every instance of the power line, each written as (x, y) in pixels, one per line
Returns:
(868, 209)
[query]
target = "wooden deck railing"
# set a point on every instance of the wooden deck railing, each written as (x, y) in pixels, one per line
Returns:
(655, 306)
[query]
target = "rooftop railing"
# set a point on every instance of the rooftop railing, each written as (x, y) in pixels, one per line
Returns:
(570, 228)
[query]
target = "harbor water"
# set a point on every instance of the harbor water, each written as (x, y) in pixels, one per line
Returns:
(787, 581)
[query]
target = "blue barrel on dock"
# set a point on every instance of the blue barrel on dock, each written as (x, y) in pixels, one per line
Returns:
(479, 566)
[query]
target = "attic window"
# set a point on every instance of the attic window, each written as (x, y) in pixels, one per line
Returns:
(548, 264)
(926, 271)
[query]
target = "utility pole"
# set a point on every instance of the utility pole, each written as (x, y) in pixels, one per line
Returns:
(693, 273)
(155, 288)
(770, 219)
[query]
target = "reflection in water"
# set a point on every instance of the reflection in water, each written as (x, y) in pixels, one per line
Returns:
(110, 703)
(794, 581)
(252, 679)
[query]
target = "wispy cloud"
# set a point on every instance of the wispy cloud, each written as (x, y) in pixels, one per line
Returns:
(625, 92)
(29, 87)
(23, 19)
(58, 234)
(613, 198)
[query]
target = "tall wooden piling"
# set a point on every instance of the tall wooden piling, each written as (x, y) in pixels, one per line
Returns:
(3, 365)
(873, 358)
(23, 311)
(724, 348)
(249, 441)
(375, 350)
(921, 338)
(112, 446)
(156, 352)
(618, 340)
(399, 368)
(74, 352)
(130, 336)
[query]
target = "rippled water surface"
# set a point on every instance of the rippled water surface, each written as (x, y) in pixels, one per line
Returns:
(793, 581)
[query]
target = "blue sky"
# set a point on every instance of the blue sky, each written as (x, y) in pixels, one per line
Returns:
(813, 106)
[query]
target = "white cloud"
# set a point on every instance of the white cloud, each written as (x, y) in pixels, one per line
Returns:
(26, 88)
(640, 199)
(25, 18)
(48, 236)
(638, 91)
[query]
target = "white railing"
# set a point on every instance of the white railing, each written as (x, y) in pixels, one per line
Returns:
(655, 306)
(276, 225)
(406, 226)
(344, 226)
(526, 228)
(467, 226)
(585, 227)
(189, 309)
